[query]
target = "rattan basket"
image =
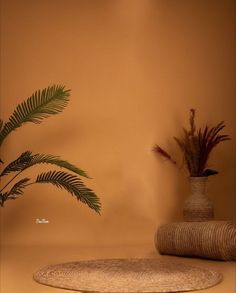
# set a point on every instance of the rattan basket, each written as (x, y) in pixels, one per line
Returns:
(198, 207)
(213, 239)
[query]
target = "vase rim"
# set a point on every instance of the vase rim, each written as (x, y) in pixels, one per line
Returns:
(198, 178)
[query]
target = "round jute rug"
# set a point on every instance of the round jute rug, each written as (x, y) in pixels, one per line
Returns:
(127, 275)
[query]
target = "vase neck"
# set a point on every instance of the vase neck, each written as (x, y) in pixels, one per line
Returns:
(198, 185)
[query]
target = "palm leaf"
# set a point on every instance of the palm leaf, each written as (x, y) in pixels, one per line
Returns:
(55, 160)
(42, 104)
(73, 185)
(27, 160)
(19, 164)
(1, 124)
(15, 191)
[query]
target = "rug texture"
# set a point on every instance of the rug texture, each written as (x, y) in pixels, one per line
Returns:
(127, 275)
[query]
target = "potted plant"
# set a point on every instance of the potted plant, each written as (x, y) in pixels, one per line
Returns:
(40, 105)
(196, 146)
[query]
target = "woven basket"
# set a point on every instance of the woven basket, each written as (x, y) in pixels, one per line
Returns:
(213, 239)
(198, 206)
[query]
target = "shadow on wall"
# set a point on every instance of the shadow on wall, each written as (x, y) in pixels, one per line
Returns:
(223, 184)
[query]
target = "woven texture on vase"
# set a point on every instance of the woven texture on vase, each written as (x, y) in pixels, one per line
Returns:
(213, 239)
(127, 275)
(198, 207)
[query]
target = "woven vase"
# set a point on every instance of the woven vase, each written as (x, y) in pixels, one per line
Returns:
(198, 207)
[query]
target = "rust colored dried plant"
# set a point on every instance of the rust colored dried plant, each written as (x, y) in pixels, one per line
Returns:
(196, 146)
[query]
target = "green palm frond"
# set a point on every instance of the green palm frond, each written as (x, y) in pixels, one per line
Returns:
(15, 191)
(1, 124)
(55, 160)
(42, 104)
(17, 165)
(50, 101)
(26, 160)
(73, 185)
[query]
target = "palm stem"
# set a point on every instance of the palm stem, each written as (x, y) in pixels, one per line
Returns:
(10, 181)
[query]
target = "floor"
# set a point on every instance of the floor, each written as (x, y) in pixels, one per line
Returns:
(19, 263)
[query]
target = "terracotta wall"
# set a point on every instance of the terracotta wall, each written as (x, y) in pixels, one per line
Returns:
(135, 68)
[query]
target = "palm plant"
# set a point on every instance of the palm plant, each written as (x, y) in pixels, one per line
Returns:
(40, 105)
(196, 146)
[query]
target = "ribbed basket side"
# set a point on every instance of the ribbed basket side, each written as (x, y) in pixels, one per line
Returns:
(198, 212)
(198, 207)
(213, 239)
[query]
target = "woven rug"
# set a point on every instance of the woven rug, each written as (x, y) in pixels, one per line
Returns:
(127, 275)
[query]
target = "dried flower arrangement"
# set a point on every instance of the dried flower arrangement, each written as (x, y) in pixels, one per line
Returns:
(196, 146)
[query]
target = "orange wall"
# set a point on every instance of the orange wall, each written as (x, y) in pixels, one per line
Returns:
(135, 68)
